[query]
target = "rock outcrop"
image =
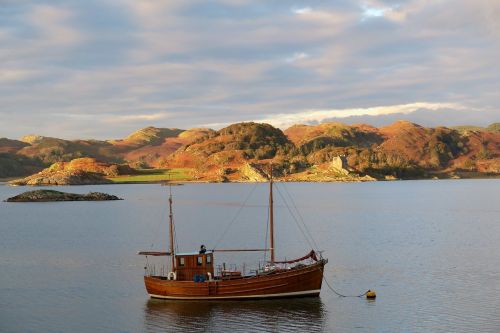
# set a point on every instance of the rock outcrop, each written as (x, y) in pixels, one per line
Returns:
(80, 171)
(76, 177)
(334, 171)
(252, 173)
(88, 164)
(339, 165)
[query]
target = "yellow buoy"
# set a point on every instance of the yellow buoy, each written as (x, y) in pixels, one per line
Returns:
(370, 294)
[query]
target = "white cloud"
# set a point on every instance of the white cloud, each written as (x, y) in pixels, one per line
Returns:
(285, 120)
(369, 12)
(297, 56)
(300, 11)
(136, 117)
(107, 117)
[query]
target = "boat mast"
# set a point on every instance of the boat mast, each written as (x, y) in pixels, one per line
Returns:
(271, 214)
(171, 215)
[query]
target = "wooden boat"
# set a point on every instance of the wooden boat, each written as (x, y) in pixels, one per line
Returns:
(193, 277)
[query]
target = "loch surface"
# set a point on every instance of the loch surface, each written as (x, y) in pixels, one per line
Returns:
(430, 249)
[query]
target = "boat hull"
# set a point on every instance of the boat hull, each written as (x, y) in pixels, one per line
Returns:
(303, 282)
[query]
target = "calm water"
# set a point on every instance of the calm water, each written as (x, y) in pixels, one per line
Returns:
(431, 250)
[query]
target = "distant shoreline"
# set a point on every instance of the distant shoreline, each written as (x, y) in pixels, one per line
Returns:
(4, 182)
(241, 152)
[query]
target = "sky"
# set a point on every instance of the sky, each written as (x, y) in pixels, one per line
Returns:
(102, 69)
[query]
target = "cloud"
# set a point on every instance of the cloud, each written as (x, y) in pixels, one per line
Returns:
(17, 75)
(181, 63)
(297, 56)
(303, 10)
(136, 117)
(40, 30)
(52, 25)
(369, 12)
(426, 117)
(368, 114)
(317, 116)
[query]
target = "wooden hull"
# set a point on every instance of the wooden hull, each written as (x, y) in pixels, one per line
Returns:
(301, 282)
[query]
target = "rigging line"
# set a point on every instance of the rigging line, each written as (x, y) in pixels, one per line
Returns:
(176, 244)
(235, 217)
(160, 221)
(301, 218)
(294, 218)
(306, 236)
(176, 247)
(267, 233)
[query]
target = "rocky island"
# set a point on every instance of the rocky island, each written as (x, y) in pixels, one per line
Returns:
(51, 195)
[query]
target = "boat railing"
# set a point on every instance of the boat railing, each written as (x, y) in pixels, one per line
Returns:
(156, 270)
(263, 267)
(225, 271)
(222, 272)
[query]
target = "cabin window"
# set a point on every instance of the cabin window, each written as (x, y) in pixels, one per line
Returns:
(181, 261)
(199, 261)
(209, 260)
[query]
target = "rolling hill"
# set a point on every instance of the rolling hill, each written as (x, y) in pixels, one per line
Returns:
(242, 151)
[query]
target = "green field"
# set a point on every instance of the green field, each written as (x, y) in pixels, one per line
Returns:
(155, 175)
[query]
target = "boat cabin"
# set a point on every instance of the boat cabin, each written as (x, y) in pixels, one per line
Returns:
(198, 267)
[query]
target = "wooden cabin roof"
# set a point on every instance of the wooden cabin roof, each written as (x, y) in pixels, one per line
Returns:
(192, 253)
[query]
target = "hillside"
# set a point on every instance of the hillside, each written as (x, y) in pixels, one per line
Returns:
(13, 165)
(309, 138)
(494, 128)
(79, 171)
(50, 150)
(407, 150)
(148, 136)
(243, 151)
(146, 147)
(226, 154)
(153, 154)
(11, 146)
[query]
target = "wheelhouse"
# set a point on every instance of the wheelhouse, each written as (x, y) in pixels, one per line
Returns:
(194, 266)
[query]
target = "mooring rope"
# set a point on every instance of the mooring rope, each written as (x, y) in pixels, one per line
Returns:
(341, 295)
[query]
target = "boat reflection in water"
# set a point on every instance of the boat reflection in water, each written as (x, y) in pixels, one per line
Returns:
(288, 315)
